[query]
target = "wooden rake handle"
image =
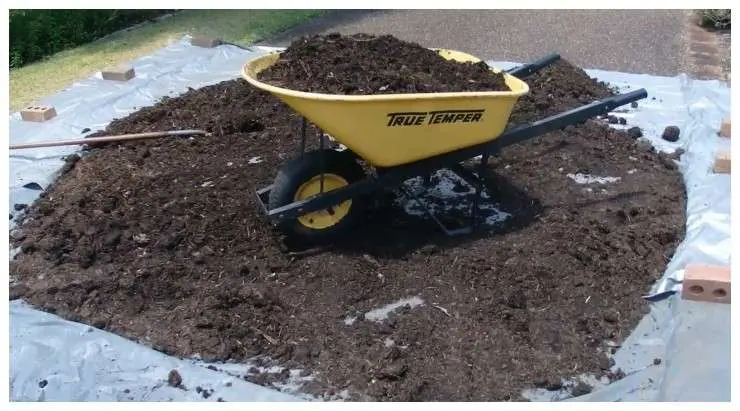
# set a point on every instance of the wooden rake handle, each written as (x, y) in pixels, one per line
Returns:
(110, 139)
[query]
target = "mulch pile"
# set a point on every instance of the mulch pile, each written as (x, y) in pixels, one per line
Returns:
(163, 242)
(363, 64)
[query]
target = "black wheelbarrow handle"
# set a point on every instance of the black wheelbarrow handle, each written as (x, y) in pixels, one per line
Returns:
(392, 177)
(527, 70)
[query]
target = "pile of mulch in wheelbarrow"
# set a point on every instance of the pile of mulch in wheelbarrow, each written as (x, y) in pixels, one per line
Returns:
(366, 64)
(163, 242)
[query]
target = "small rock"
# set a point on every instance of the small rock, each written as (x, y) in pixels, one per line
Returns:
(11, 216)
(198, 258)
(622, 120)
(174, 379)
(611, 317)
(657, 361)
(393, 372)
(33, 186)
(301, 353)
(228, 384)
(644, 145)
(668, 162)
(554, 385)
(671, 134)
(613, 119)
(141, 239)
(370, 259)
(69, 163)
(581, 389)
(429, 249)
(126, 391)
(635, 132)
(304, 373)
(677, 154)
(17, 235)
(170, 240)
(28, 246)
(634, 104)
(616, 375)
(43, 383)
(20, 207)
(17, 291)
(112, 238)
(219, 399)
(253, 370)
(87, 258)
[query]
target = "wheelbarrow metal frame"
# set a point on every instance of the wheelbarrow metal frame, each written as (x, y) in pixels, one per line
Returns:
(392, 177)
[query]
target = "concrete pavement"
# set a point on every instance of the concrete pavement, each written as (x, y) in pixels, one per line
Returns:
(635, 41)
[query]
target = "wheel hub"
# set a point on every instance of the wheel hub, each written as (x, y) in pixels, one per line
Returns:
(322, 219)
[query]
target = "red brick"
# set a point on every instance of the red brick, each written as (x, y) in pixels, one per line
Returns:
(38, 114)
(707, 283)
(205, 41)
(722, 162)
(724, 131)
(121, 73)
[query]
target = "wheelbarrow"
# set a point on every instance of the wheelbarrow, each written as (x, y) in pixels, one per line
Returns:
(320, 194)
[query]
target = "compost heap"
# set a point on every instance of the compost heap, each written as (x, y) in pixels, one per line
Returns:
(162, 241)
(364, 64)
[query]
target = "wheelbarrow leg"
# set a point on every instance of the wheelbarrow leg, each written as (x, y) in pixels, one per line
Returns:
(323, 164)
(450, 232)
(427, 180)
(304, 125)
(477, 184)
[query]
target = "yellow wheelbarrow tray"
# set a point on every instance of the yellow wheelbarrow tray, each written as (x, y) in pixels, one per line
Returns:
(321, 194)
(387, 130)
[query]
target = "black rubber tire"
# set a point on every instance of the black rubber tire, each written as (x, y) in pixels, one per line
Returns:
(299, 170)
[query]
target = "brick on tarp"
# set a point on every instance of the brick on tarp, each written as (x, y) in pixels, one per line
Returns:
(722, 162)
(205, 41)
(38, 114)
(120, 73)
(724, 131)
(707, 283)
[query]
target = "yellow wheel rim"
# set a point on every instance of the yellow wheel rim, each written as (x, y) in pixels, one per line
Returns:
(319, 220)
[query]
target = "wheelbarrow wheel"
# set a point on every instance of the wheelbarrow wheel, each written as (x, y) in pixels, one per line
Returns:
(300, 179)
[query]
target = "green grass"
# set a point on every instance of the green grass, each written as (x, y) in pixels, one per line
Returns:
(32, 82)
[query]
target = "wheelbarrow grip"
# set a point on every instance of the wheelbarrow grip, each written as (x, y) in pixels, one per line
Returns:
(531, 68)
(575, 116)
(626, 98)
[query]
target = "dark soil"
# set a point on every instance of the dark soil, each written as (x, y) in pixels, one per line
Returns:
(363, 64)
(162, 241)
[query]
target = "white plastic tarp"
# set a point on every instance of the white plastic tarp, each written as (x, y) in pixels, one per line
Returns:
(74, 362)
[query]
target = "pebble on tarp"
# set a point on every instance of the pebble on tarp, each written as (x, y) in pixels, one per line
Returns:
(33, 186)
(671, 134)
(635, 132)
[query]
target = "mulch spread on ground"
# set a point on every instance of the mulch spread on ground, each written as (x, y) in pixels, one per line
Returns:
(363, 64)
(163, 242)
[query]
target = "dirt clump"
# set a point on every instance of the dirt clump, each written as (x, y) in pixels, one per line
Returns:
(671, 134)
